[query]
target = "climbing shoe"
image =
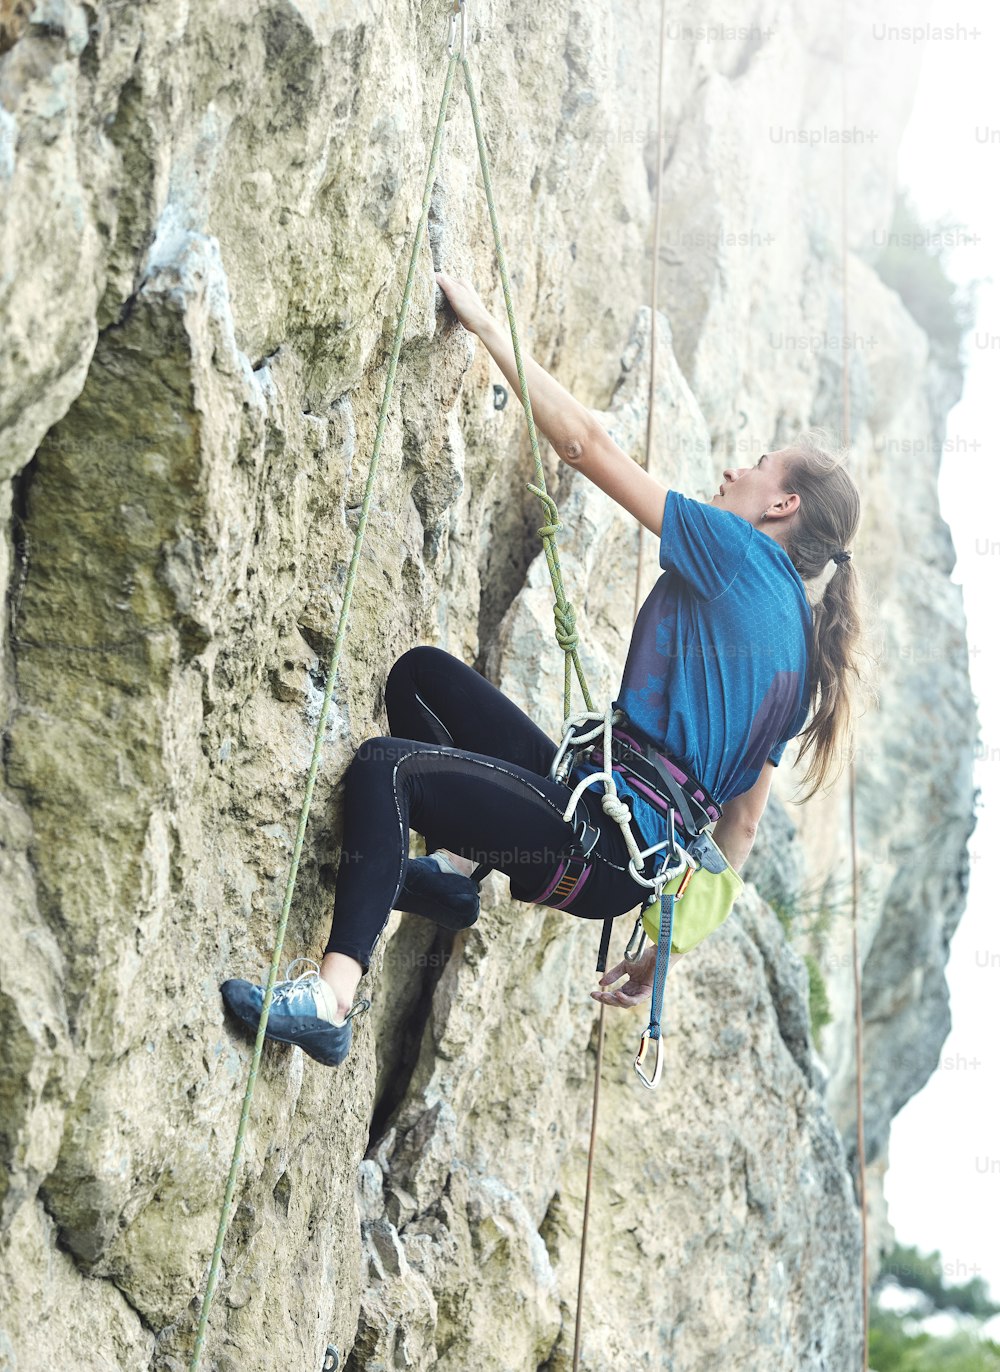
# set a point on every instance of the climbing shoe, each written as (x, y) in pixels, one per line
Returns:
(441, 894)
(303, 1011)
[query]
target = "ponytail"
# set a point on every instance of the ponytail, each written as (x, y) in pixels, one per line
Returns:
(826, 522)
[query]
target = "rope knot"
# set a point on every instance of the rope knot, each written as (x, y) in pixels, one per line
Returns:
(566, 635)
(616, 809)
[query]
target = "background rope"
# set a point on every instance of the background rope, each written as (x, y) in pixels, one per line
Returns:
(640, 545)
(859, 1053)
(320, 730)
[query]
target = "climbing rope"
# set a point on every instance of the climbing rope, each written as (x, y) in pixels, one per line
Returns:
(565, 616)
(331, 678)
(852, 776)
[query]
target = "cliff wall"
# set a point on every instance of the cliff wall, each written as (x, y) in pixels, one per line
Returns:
(206, 216)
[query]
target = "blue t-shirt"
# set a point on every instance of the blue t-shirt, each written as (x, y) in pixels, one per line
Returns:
(718, 666)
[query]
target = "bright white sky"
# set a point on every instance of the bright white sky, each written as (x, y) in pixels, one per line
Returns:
(943, 1182)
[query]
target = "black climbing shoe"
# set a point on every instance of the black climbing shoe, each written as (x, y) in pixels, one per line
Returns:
(446, 898)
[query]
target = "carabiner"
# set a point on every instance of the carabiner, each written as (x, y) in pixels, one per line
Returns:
(637, 942)
(457, 9)
(644, 1042)
(566, 754)
(685, 882)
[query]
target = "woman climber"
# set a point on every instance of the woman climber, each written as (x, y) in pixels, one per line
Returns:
(726, 661)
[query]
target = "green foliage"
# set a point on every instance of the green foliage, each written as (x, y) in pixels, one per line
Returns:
(812, 912)
(819, 1000)
(812, 909)
(892, 1349)
(894, 1346)
(923, 1272)
(913, 263)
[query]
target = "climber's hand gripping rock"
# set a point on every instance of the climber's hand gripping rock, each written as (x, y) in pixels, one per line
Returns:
(464, 300)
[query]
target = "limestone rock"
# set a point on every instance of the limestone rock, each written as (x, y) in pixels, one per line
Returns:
(206, 215)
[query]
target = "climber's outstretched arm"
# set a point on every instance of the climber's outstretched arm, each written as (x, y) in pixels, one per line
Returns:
(570, 427)
(557, 415)
(579, 439)
(602, 461)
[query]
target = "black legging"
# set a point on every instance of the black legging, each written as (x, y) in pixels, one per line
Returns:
(468, 770)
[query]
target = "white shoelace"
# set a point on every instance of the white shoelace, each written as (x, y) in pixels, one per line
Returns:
(291, 985)
(312, 974)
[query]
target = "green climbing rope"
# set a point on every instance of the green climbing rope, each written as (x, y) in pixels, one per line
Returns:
(331, 678)
(565, 615)
(565, 628)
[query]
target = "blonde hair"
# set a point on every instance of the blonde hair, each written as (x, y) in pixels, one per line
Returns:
(826, 522)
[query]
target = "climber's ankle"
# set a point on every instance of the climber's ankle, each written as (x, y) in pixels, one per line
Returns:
(342, 974)
(465, 865)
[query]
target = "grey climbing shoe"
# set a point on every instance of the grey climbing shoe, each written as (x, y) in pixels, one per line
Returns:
(302, 1012)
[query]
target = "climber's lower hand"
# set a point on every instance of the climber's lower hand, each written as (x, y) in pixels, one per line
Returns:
(462, 298)
(637, 988)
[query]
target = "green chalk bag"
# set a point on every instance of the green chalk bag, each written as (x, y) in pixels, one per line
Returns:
(709, 896)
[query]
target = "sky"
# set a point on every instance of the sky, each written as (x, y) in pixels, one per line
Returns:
(943, 1181)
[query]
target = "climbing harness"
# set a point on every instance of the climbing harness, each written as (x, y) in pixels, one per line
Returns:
(695, 873)
(659, 778)
(573, 748)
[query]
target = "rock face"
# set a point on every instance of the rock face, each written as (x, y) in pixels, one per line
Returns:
(206, 218)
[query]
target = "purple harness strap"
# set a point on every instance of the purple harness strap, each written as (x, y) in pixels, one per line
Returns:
(566, 883)
(688, 783)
